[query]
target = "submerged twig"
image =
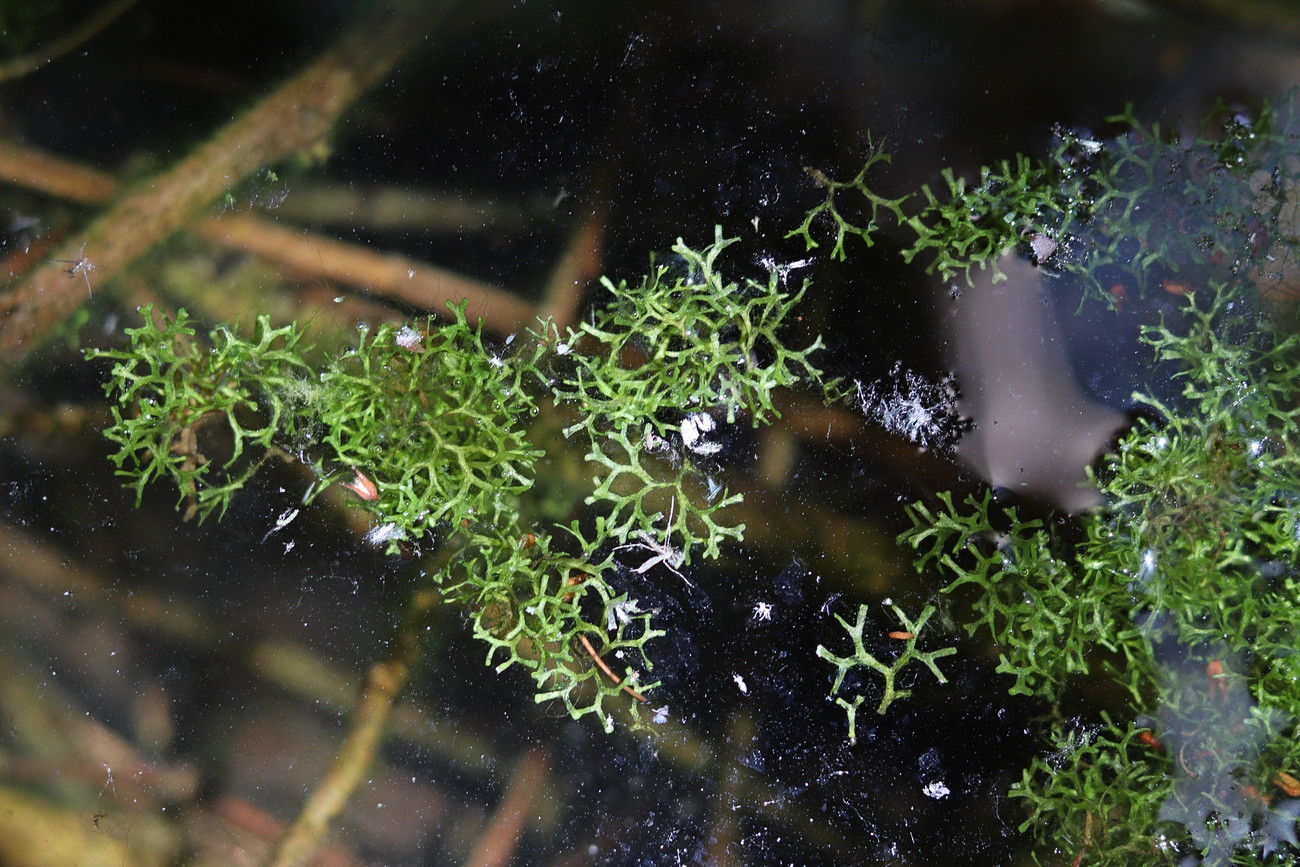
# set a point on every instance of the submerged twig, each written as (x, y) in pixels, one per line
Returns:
(295, 118)
(306, 254)
(609, 673)
(19, 66)
(500, 841)
(384, 684)
(388, 274)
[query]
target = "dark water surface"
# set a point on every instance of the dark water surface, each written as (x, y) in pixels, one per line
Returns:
(171, 691)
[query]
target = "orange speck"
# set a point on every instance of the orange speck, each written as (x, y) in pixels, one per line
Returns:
(901, 636)
(1288, 784)
(1175, 288)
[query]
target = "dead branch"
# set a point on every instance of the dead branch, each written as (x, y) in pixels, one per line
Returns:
(500, 841)
(384, 684)
(295, 118)
(306, 254)
(33, 60)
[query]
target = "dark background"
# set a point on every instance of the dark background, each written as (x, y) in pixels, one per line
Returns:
(669, 118)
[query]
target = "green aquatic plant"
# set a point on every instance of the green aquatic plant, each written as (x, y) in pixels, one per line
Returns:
(1150, 207)
(704, 344)
(1182, 590)
(889, 672)
(431, 428)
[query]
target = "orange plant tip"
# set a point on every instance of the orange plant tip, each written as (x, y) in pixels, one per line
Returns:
(362, 487)
(1288, 784)
(1118, 292)
(1218, 680)
(901, 636)
(1149, 740)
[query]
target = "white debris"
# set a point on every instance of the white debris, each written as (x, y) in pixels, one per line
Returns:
(655, 443)
(1041, 246)
(935, 789)
(740, 684)
(620, 611)
(763, 611)
(695, 427)
(281, 522)
(385, 533)
(911, 407)
(663, 552)
(408, 338)
(783, 271)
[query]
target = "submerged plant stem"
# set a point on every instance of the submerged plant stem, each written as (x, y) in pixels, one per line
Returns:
(295, 118)
(384, 684)
(19, 66)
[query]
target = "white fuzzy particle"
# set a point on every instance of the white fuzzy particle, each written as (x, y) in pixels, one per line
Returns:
(407, 338)
(384, 533)
(695, 427)
(936, 790)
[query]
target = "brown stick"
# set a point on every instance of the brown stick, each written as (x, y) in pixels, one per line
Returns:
(390, 275)
(23, 64)
(384, 683)
(354, 759)
(579, 264)
(295, 118)
(605, 668)
(499, 842)
(309, 254)
(54, 175)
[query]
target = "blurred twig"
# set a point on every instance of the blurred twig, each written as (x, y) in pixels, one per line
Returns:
(54, 175)
(500, 841)
(305, 253)
(17, 67)
(384, 684)
(418, 283)
(580, 263)
(295, 118)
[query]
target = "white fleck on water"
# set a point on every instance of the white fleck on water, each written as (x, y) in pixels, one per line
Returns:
(695, 428)
(935, 789)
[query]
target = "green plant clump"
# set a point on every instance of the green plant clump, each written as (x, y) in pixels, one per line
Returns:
(1149, 208)
(1183, 588)
(862, 657)
(703, 343)
(432, 430)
